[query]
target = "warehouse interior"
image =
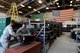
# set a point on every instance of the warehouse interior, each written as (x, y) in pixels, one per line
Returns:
(39, 26)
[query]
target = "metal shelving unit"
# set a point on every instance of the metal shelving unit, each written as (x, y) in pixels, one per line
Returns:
(77, 41)
(42, 30)
(78, 37)
(78, 31)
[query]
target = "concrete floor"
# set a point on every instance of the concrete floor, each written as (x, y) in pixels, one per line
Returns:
(63, 44)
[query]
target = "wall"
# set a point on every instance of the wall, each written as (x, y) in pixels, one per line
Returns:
(23, 19)
(4, 15)
(48, 15)
(59, 15)
(76, 15)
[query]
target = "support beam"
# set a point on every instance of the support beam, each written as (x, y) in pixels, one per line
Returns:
(78, 5)
(43, 6)
(5, 2)
(6, 8)
(23, 3)
(37, 3)
(25, 10)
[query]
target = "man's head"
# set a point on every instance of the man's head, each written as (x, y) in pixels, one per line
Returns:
(24, 25)
(12, 22)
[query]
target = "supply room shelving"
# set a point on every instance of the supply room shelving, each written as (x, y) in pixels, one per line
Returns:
(47, 38)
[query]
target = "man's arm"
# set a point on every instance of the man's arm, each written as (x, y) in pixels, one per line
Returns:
(19, 32)
(27, 33)
(11, 32)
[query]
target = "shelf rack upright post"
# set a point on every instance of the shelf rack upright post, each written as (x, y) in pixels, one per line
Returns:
(43, 29)
(78, 31)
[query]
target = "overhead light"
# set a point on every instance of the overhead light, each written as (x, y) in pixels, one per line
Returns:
(48, 24)
(20, 11)
(70, 4)
(30, 15)
(35, 10)
(40, 1)
(55, 0)
(38, 11)
(77, 0)
(1, 6)
(29, 7)
(47, 7)
(58, 6)
(37, 19)
(22, 5)
(57, 3)
(71, 1)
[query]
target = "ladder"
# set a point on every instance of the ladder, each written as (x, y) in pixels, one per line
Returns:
(13, 12)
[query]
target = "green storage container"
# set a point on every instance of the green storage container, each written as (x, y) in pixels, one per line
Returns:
(3, 23)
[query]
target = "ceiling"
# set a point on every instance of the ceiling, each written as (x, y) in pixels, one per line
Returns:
(40, 7)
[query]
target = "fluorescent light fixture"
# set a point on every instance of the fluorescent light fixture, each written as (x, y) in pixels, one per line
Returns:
(38, 11)
(48, 24)
(2, 6)
(70, 4)
(58, 6)
(22, 5)
(40, 1)
(20, 11)
(47, 7)
(35, 10)
(55, 0)
(77, 0)
(57, 3)
(71, 1)
(29, 7)
(37, 19)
